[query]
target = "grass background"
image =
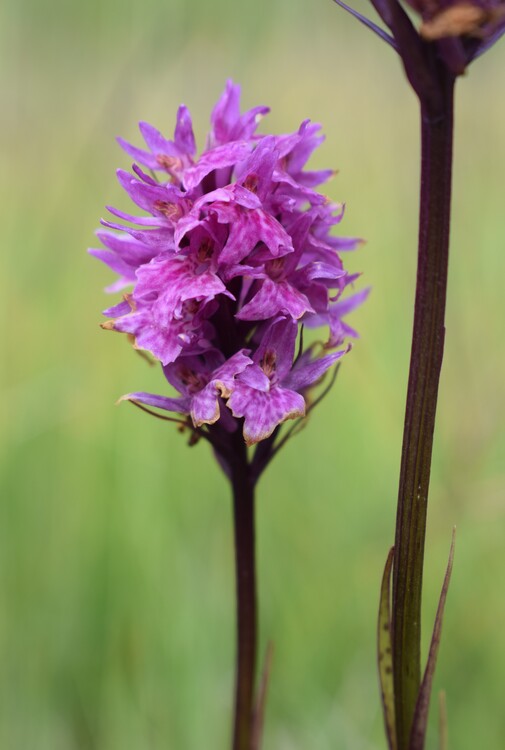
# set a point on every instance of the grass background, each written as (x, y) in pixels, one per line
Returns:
(116, 580)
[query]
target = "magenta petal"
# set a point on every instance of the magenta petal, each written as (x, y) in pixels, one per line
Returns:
(227, 123)
(347, 305)
(178, 405)
(233, 366)
(175, 278)
(263, 412)
(280, 338)
(156, 142)
(184, 137)
(339, 332)
(251, 227)
(217, 158)
(273, 299)
(231, 194)
(134, 253)
(153, 332)
(147, 196)
(254, 377)
(317, 270)
(114, 262)
(185, 225)
(117, 286)
(310, 372)
(332, 317)
(249, 122)
(143, 176)
(116, 311)
(157, 240)
(226, 112)
(344, 244)
(303, 149)
(312, 179)
(143, 157)
(145, 221)
(205, 404)
(258, 169)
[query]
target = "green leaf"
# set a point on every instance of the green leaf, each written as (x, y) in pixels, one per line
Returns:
(385, 654)
(420, 720)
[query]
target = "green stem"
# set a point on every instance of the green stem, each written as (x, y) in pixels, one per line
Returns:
(243, 514)
(425, 366)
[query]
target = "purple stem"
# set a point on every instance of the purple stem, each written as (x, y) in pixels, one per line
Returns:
(245, 565)
(425, 366)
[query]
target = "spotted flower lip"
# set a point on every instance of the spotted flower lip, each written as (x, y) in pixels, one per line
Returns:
(201, 386)
(226, 255)
(270, 390)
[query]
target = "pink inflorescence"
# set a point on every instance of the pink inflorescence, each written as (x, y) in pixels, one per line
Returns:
(233, 255)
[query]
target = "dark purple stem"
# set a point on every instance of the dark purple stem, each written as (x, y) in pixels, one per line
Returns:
(245, 564)
(425, 366)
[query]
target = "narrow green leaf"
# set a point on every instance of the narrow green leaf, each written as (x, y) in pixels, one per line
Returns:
(385, 654)
(420, 720)
(259, 708)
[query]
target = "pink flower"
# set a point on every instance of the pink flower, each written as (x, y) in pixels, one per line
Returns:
(231, 254)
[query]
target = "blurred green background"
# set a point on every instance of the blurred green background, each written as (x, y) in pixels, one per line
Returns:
(116, 579)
